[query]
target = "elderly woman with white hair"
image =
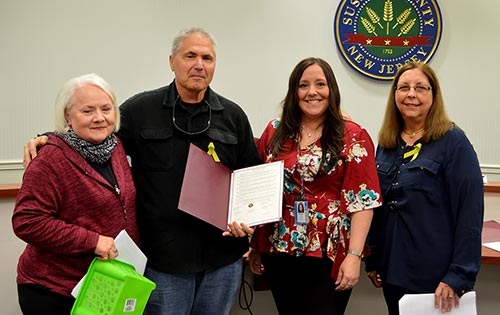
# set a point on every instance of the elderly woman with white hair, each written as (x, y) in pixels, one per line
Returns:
(76, 196)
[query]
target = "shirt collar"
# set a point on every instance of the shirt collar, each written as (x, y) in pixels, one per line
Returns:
(211, 97)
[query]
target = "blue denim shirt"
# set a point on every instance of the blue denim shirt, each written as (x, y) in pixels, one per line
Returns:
(429, 227)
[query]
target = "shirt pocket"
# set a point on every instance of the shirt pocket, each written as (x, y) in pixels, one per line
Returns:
(226, 146)
(386, 173)
(224, 137)
(157, 148)
(424, 173)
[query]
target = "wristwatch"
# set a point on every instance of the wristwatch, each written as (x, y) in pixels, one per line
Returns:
(355, 253)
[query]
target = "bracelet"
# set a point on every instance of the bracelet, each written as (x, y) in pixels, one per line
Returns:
(355, 253)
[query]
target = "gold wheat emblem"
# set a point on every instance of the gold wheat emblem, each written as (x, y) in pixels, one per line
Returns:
(370, 28)
(388, 13)
(402, 17)
(374, 17)
(407, 27)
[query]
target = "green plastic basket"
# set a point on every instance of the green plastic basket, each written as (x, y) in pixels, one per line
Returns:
(112, 288)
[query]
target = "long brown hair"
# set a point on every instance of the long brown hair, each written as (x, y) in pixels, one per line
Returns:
(437, 122)
(332, 138)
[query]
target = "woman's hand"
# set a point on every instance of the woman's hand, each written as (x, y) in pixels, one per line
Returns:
(348, 273)
(106, 249)
(350, 268)
(445, 296)
(375, 278)
(238, 230)
(254, 261)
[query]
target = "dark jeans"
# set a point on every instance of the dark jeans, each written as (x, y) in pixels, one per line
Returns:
(37, 300)
(302, 285)
(392, 295)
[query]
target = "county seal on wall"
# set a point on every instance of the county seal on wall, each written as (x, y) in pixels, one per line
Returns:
(376, 37)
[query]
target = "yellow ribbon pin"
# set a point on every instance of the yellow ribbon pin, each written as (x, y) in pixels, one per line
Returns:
(211, 151)
(413, 152)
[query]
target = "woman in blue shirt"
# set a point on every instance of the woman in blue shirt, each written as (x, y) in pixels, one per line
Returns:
(426, 238)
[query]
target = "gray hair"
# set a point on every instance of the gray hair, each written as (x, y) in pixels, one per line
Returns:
(182, 34)
(64, 99)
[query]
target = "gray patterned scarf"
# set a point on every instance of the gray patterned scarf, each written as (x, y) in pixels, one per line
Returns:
(96, 153)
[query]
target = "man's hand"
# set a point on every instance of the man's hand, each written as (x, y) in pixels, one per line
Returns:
(31, 147)
(238, 230)
(346, 116)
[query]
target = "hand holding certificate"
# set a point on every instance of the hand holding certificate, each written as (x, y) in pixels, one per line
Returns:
(217, 195)
(418, 304)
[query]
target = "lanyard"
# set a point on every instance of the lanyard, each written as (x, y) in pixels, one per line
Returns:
(301, 168)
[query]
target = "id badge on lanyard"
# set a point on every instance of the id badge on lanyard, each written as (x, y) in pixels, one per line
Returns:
(301, 206)
(301, 209)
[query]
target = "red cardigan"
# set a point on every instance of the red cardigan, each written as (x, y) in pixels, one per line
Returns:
(62, 208)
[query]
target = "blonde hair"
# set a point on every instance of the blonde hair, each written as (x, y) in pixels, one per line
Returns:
(437, 122)
(64, 99)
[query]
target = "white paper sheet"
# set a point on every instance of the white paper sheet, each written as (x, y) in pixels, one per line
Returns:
(493, 245)
(128, 252)
(418, 304)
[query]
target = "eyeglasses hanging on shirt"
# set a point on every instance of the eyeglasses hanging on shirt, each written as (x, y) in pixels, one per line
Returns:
(192, 133)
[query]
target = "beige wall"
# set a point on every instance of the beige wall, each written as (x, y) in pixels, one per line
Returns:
(127, 42)
(259, 42)
(365, 298)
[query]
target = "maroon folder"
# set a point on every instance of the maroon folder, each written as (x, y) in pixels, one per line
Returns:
(205, 189)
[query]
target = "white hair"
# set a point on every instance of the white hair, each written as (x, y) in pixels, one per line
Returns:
(64, 99)
(182, 34)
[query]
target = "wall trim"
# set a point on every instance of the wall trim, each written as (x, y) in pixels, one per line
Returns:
(490, 168)
(12, 165)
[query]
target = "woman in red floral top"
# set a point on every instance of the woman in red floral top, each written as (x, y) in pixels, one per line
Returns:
(312, 261)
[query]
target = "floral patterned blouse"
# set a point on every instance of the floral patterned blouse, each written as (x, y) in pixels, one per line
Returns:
(351, 185)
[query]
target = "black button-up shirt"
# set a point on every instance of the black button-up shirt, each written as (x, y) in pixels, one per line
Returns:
(174, 241)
